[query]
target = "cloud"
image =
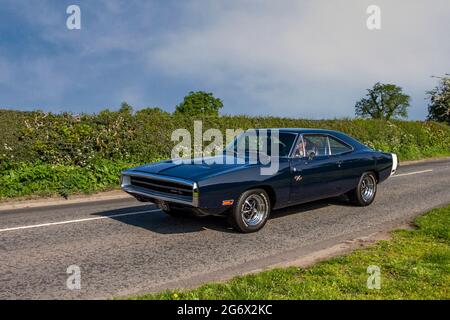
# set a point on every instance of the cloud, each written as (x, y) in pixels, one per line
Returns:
(289, 58)
(289, 55)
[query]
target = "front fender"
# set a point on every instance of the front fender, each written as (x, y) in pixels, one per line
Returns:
(230, 185)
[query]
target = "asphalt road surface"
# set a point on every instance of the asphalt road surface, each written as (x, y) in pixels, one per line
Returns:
(123, 247)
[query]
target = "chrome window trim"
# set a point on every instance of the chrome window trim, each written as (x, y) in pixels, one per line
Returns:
(293, 144)
(317, 134)
(299, 136)
(329, 146)
(328, 135)
(343, 142)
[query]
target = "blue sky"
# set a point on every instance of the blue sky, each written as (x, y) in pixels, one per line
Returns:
(309, 59)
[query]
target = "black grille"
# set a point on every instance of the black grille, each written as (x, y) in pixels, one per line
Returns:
(162, 186)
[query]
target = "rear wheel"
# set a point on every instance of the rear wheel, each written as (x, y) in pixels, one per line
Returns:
(251, 211)
(364, 193)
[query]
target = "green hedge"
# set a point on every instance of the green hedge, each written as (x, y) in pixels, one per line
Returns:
(45, 153)
(45, 179)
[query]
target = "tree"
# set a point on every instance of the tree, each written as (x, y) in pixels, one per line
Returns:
(199, 103)
(439, 107)
(125, 108)
(383, 101)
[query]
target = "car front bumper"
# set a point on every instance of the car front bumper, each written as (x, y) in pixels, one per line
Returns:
(158, 187)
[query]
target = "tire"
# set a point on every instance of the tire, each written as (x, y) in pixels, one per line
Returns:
(251, 211)
(364, 194)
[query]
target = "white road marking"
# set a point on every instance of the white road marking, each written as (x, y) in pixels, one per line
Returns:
(136, 213)
(411, 173)
(77, 220)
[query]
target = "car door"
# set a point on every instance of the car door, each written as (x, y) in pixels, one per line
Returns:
(314, 172)
(341, 155)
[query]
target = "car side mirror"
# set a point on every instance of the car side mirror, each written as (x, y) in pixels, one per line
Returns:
(311, 155)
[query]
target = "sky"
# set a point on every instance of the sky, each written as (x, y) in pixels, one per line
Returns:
(305, 59)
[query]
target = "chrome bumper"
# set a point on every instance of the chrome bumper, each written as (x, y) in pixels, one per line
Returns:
(394, 163)
(144, 192)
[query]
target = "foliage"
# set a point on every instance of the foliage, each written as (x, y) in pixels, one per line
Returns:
(413, 265)
(383, 101)
(24, 178)
(439, 107)
(199, 104)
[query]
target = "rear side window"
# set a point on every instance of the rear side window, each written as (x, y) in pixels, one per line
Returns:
(338, 147)
(320, 145)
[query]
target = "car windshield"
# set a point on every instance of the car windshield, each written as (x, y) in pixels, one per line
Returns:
(253, 141)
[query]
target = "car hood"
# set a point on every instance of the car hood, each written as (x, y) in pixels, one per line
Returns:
(189, 171)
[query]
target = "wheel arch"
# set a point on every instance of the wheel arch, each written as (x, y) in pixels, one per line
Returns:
(270, 192)
(376, 173)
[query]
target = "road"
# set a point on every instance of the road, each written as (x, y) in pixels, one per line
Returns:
(123, 247)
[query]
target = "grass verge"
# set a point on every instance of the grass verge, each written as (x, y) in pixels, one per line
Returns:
(414, 264)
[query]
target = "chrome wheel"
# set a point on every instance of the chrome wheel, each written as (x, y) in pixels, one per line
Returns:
(368, 187)
(254, 210)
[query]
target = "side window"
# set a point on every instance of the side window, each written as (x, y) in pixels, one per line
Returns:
(317, 144)
(338, 147)
(299, 148)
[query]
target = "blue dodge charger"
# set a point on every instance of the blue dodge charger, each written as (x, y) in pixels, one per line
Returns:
(311, 164)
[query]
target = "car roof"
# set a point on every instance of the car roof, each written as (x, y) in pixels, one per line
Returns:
(302, 130)
(307, 130)
(338, 134)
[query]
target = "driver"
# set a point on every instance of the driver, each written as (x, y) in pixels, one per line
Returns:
(310, 148)
(305, 147)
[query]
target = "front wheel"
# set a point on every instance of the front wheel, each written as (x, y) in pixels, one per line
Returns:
(365, 192)
(251, 211)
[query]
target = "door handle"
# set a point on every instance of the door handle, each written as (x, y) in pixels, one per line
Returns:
(339, 163)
